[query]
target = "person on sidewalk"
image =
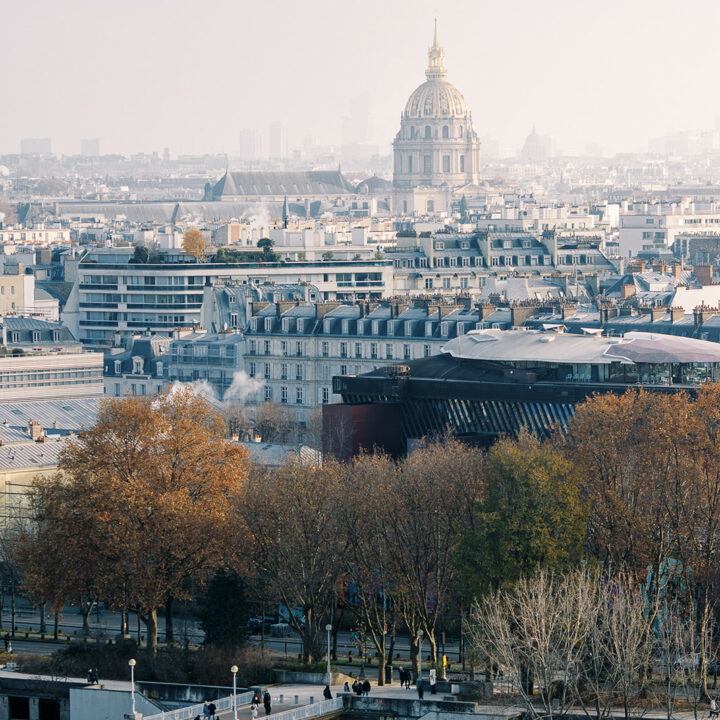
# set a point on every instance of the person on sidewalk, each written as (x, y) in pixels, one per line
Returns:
(420, 689)
(212, 708)
(346, 687)
(326, 693)
(267, 702)
(366, 688)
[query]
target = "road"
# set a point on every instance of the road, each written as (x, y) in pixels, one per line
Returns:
(105, 624)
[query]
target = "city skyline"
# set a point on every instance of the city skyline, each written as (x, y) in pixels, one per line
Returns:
(142, 78)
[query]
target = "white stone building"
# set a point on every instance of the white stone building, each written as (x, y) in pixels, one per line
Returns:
(436, 150)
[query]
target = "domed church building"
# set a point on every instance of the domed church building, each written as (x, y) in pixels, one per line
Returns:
(436, 152)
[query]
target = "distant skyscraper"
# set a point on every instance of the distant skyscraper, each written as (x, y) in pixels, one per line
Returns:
(90, 147)
(35, 146)
(249, 144)
(356, 126)
(278, 140)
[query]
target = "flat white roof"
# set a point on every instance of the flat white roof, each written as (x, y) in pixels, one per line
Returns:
(566, 348)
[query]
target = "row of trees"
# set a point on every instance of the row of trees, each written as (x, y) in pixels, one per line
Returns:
(593, 640)
(153, 501)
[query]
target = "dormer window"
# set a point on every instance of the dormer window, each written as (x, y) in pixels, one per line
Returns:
(268, 324)
(36, 336)
(254, 324)
(56, 336)
(137, 365)
(118, 367)
(428, 328)
(439, 245)
(286, 325)
(375, 327)
(301, 325)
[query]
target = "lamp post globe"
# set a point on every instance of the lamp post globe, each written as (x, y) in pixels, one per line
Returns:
(131, 663)
(234, 671)
(328, 627)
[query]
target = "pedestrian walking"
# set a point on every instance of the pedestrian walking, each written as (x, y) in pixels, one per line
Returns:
(326, 693)
(346, 687)
(253, 712)
(206, 711)
(366, 688)
(256, 698)
(420, 689)
(267, 702)
(95, 676)
(212, 708)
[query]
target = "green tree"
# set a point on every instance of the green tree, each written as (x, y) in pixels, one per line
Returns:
(327, 255)
(267, 245)
(532, 515)
(463, 208)
(222, 610)
(140, 255)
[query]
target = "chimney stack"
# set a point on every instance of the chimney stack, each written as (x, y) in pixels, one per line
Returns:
(677, 314)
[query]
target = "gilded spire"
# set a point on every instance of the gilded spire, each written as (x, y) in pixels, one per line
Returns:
(436, 59)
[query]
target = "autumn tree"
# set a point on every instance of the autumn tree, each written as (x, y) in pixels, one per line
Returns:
(194, 244)
(274, 422)
(370, 591)
(426, 508)
(140, 506)
(291, 517)
(530, 516)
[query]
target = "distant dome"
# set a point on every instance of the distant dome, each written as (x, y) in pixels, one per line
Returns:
(436, 99)
(4, 171)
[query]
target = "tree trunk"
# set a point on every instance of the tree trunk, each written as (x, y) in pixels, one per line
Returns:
(12, 610)
(56, 625)
(433, 647)
(85, 612)
(381, 662)
(43, 623)
(414, 654)
(150, 621)
(169, 630)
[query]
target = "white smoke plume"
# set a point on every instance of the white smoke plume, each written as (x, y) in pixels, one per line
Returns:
(241, 388)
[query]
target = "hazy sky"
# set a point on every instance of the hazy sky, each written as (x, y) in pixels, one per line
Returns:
(190, 74)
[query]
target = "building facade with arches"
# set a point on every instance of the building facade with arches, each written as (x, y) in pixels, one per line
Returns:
(436, 151)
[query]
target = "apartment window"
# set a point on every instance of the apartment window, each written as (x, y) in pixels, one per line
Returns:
(406, 351)
(388, 351)
(12, 289)
(268, 324)
(252, 369)
(373, 351)
(283, 371)
(298, 349)
(343, 349)
(358, 350)
(298, 372)
(36, 336)
(267, 347)
(466, 261)
(446, 283)
(325, 349)
(14, 336)
(267, 371)
(283, 394)
(427, 164)
(463, 283)
(446, 163)
(56, 336)
(268, 393)
(253, 347)
(298, 396)
(343, 369)
(118, 367)
(325, 395)
(283, 347)
(426, 350)
(428, 283)
(233, 320)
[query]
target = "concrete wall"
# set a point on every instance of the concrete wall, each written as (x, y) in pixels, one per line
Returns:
(93, 703)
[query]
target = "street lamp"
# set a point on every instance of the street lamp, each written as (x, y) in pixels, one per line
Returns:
(234, 670)
(131, 663)
(420, 637)
(328, 627)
